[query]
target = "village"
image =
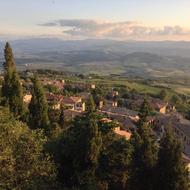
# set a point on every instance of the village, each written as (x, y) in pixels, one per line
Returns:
(114, 107)
(95, 95)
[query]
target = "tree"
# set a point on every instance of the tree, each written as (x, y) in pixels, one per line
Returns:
(144, 112)
(9, 64)
(171, 171)
(38, 107)
(62, 118)
(144, 154)
(163, 94)
(12, 89)
(91, 107)
(143, 160)
(16, 99)
(93, 145)
(98, 94)
(114, 159)
(23, 163)
(175, 99)
(76, 153)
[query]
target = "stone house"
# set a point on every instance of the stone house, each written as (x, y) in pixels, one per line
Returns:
(74, 103)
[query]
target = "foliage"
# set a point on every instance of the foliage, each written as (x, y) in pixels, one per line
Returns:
(144, 112)
(74, 89)
(114, 161)
(163, 94)
(144, 154)
(23, 165)
(107, 127)
(98, 94)
(62, 118)
(51, 88)
(171, 171)
(77, 152)
(143, 160)
(38, 107)
(53, 114)
(175, 99)
(90, 106)
(12, 89)
(87, 153)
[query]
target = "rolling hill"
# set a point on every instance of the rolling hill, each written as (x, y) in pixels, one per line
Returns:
(132, 58)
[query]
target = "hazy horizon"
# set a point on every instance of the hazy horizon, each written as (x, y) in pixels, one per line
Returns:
(139, 20)
(11, 39)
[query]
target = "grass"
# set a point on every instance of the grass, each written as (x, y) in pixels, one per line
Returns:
(139, 87)
(182, 90)
(152, 87)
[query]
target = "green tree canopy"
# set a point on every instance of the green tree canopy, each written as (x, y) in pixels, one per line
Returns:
(12, 89)
(77, 152)
(144, 158)
(91, 107)
(144, 112)
(62, 117)
(114, 160)
(23, 164)
(163, 94)
(172, 174)
(9, 64)
(38, 107)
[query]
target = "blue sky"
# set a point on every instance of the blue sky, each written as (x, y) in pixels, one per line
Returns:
(157, 19)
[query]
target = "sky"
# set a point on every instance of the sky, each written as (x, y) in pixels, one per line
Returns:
(110, 19)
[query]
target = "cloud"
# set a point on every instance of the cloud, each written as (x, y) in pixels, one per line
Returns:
(104, 29)
(49, 24)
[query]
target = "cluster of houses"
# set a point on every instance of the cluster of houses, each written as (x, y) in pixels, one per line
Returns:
(180, 125)
(128, 118)
(73, 105)
(155, 104)
(57, 83)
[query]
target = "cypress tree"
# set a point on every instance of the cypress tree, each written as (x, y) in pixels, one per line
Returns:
(114, 160)
(12, 89)
(143, 160)
(38, 107)
(78, 153)
(144, 112)
(62, 117)
(93, 146)
(9, 64)
(172, 174)
(91, 107)
(144, 155)
(16, 100)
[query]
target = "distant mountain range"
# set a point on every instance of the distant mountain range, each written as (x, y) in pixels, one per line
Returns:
(144, 59)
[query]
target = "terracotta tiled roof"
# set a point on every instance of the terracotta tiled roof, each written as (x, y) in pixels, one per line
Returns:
(157, 103)
(72, 113)
(120, 111)
(122, 133)
(128, 124)
(84, 95)
(54, 97)
(175, 120)
(71, 100)
(105, 120)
